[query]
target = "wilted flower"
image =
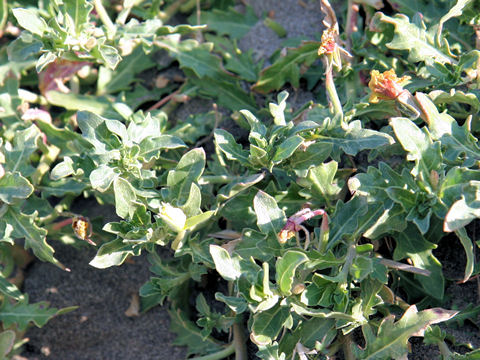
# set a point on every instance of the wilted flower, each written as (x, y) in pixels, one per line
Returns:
(386, 86)
(328, 44)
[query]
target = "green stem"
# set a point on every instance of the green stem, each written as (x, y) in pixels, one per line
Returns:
(347, 347)
(103, 15)
(229, 350)
(240, 343)
(351, 253)
(444, 350)
(332, 92)
(50, 154)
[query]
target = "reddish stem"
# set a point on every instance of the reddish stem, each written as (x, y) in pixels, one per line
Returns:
(61, 224)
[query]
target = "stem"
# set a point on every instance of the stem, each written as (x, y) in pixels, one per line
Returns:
(103, 15)
(347, 347)
(351, 26)
(229, 350)
(50, 154)
(163, 101)
(61, 224)
(198, 35)
(324, 234)
(171, 10)
(444, 350)
(239, 342)
(332, 92)
(351, 253)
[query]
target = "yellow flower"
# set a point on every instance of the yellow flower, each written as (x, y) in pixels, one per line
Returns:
(386, 86)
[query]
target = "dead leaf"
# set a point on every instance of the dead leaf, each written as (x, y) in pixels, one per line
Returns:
(134, 308)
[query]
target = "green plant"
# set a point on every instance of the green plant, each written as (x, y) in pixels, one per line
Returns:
(391, 167)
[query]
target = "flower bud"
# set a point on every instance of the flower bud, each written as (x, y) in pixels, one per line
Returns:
(173, 217)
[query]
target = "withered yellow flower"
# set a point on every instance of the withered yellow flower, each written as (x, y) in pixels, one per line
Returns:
(386, 86)
(328, 44)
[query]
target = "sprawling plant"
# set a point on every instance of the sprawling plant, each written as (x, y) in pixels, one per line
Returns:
(309, 230)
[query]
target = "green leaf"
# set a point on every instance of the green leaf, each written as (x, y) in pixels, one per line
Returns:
(468, 247)
(227, 267)
(194, 56)
(236, 304)
(346, 220)
(460, 145)
(9, 289)
(227, 93)
(24, 48)
(189, 334)
(412, 244)
(24, 227)
(412, 37)
(287, 68)
(230, 147)
(124, 198)
(14, 186)
(192, 222)
(354, 138)
(285, 269)
(61, 187)
(24, 144)
(78, 11)
(270, 218)
(370, 298)
(7, 340)
(31, 21)
(227, 22)
(113, 253)
(464, 210)
(79, 102)
(22, 313)
(455, 11)
(287, 148)
(110, 82)
(102, 177)
(188, 170)
(62, 169)
(314, 155)
(108, 54)
(392, 337)
(417, 143)
(150, 147)
(267, 324)
(322, 179)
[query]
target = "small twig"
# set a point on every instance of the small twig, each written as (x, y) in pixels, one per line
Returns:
(163, 101)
